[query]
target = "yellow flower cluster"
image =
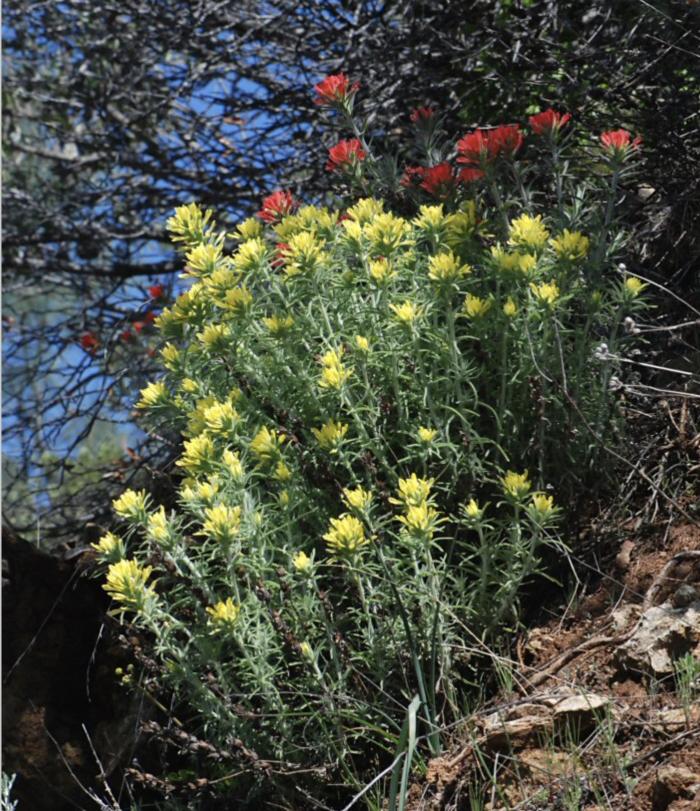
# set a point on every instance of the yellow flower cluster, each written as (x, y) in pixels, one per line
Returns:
(199, 453)
(528, 232)
(223, 615)
(420, 517)
(250, 256)
(110, 548)
(126, 583)
(304, 254)
(444, 269)
(570, 246)
(516, 485)
(475, 307)
(153, 394)
(279, 325)
(157, 527)
(190, 224)
(381, 271)
(406, 312)
(266, 444)
(221, 418)
(346, 535)
(330, 435)
(222, 522)
(357, 499)
(334, 374)
(546, 293)
(131, 505)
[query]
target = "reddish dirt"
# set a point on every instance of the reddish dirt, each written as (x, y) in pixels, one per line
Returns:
(641, 753)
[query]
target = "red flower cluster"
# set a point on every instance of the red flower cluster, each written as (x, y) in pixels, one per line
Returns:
(277, 205)
(618, 143)
(439, 181)
(422, 115)
(345, 155)
(480, 148)
(156, 291)
(89, 342)
(335, 90)
(548, 122)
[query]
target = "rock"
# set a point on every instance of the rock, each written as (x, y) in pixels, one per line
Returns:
(673, 783)
(622, 560)
(664, 634)
(676, 720)
(684, 596)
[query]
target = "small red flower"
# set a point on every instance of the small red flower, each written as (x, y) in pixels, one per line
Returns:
(89, 341)
(480, 148)
(150, 316)
(439, 181)
(421, 115)
(412, 176)
(345, 155)
(138, 326)
(618, 143)
(470, 175)
(548, 121)
(277, 205)
(156, 291)
(126, 335)
(280, 254)
(335, 90)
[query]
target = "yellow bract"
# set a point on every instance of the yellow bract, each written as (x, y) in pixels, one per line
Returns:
(546, 292)
(233, 464)
(303, 254)
(528, 232)
(381, 271)
(222, 522)
(476, 307)
(543, 505)
(420, 520)
(406, 312)
(330, 435)
(221, 418)
(366, 210)
(387, 233)
(431, 219)
(214, 336)
(157, 528)
(357, 499)
(126, 583)
(279, 324)
(426, 435)
(334, 374)
(110, 547)
(131, 504)
(189, 224)
(266, 444)
(634, 286)
(223, 615)
(510, 308)
(302, 562)
(345, 535)
(198, 455)
(445, 269)
(250, 255)
(570, 245)
(153, 394)
(462, 226)
(516, 484)
(413, 491)
(473, 511)
(204, 259)
(248, 229)
(238, 300)
(361, 343)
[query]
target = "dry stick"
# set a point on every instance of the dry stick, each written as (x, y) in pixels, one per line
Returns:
(689, 733)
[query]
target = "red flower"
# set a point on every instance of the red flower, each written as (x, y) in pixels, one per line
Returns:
(89, 341)
(422, 115)
(345, 155)
(470, 175)
(439, 181)
(138, 326)
(126, 336)
(280, 254)
(412, 176)
(618, 143)
(277, 205)
(480, 148)
(335, 90)
(150, 316)
(548, 121)
(156, 291)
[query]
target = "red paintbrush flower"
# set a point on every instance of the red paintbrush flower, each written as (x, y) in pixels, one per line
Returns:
(345, 155)
(439, 181)
(277, 205)
(89, 341)
(548, 122)
(619, 143)
(480, 148)
(421, 115)
(335, 90)
(126, 335)
(156, 291)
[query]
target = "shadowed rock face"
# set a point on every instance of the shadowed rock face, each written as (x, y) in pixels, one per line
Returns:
(52, 685)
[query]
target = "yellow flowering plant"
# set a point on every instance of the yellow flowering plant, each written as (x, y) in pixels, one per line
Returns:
(372, 413)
